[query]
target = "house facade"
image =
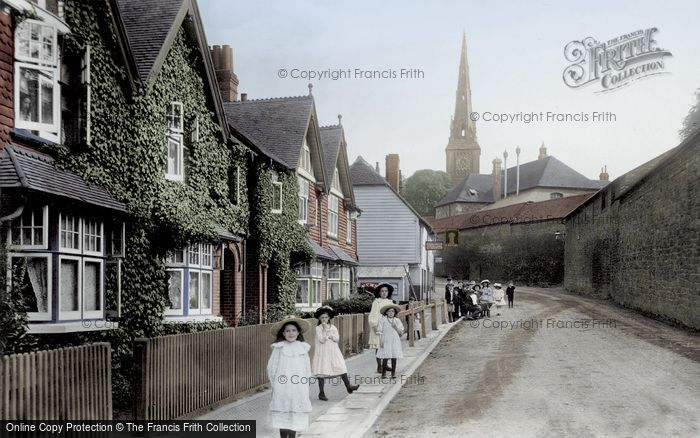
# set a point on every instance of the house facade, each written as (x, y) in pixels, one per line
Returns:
(394, 250)
(287, 130)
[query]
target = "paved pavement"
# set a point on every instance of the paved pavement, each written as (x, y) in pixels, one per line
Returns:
(549, 370)
(342, 415)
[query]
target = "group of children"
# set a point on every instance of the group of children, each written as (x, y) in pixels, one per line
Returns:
(290, 369)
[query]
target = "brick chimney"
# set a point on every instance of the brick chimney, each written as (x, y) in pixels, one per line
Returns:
(604, 174)
(222, 57)
(496, 176)
(393, 173)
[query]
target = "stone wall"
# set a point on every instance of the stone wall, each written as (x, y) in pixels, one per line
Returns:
(642, 249)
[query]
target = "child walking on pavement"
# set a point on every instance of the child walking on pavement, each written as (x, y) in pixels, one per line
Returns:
(389, 331)
(290, 405)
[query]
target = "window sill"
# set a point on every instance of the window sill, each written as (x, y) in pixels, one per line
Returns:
(72, 327)
(191, 318)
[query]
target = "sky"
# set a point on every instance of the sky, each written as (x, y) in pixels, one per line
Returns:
(516, 64)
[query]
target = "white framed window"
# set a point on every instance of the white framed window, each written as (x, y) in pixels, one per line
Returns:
(303, 200)
(175, 118)
(118, 239)
(309, 279)
(70, 296)
(276, 194)
(176, 292)
(194, 136)
(348, 228)
(93, 235)
(338, 281)
(305, 158)
(69, 233)
(35, 282)
(556, 195)
(190, 280)
(37, 94)
(93, 288)
(31, 229)
(174, 165)
(333, 216)
(234, 184)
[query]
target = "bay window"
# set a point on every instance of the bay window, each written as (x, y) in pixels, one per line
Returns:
(190, 273)
(309, 280)
(30, 230)
(32, 273)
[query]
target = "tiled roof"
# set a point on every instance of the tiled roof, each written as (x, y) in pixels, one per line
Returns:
(363, 174)
(331, 137)
(147, 24)
(341, 255)
(319, 251)
(472, 188)
(547, 172)
(524, 212)
(277, 126)
(21, 167)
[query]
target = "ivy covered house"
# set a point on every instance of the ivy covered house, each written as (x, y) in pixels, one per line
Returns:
(311, 197)
(123, 94)
(62, 236)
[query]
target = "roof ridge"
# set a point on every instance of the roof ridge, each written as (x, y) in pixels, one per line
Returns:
(330, 126)
(30, 153)
(269, 99)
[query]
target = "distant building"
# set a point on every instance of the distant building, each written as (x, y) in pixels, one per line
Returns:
(391, 235)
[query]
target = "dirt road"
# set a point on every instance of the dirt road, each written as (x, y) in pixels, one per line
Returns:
(555, 365)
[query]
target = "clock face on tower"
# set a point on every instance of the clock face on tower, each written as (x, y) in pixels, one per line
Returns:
(462, 162)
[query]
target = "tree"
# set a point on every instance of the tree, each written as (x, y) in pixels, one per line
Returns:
(691, 123)
(425, 188)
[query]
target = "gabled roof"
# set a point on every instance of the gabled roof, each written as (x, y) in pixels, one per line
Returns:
(524, 212)
(148, 24)
(363, 174)
(331, 139)
(547, 172)
(277, 126)
(22, 167)
(335, 154)
(150, 27)
(341, 255)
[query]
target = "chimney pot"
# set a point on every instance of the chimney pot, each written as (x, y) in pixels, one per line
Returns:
(226, 58)
(244, 97)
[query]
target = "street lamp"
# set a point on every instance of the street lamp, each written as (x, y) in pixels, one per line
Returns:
(505, 165)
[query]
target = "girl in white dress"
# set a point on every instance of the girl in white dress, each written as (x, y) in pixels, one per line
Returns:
(383, 294)
(499, 298)
(289, 371)
(390, 330)
(328, 360)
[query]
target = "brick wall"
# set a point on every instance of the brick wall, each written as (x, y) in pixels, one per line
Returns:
(231, 281)
(643, 250)
(6, 81)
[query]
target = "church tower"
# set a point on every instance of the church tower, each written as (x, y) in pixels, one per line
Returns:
(462, 151)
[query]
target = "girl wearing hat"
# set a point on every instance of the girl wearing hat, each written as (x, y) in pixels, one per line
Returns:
(328, 360)
(383, 294)
(390, 330)
(290, 405)
(499, 298)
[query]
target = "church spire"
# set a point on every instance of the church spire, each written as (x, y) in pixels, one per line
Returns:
(463, 151)
(462, 125)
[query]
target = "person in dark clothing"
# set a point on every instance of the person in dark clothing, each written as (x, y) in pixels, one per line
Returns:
(510, 291)
(448, 299)
(473, 306)
(457, 300)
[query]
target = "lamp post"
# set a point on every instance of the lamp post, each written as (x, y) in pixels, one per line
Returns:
(505, 165)
(517, 171)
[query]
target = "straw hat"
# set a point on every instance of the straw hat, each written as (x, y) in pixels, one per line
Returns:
(302, 323)
(396, 307)
(485, 281)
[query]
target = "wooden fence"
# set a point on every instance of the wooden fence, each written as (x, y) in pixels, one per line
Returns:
(64, 384)
(179, 376)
